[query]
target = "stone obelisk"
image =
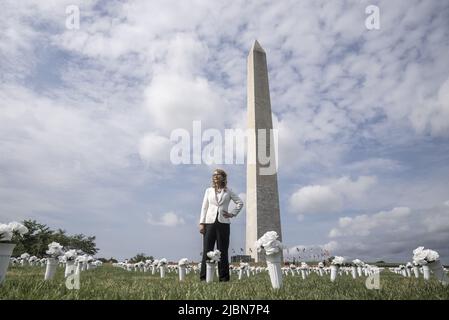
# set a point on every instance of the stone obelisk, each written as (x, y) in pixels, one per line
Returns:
(262, 198)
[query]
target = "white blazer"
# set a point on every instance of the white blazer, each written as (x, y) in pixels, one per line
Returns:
(212, 203)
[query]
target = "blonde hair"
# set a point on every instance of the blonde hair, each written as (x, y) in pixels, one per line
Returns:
(220, 184)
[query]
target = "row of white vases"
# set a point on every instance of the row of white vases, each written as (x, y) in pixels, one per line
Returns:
(425, 270)
(71, 267)
(52, 264)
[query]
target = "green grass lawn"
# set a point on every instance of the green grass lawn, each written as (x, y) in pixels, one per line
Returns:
(107, 282)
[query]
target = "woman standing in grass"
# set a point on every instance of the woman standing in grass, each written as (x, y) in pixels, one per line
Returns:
(215, 222)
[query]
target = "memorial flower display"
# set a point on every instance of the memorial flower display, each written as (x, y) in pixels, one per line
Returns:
(8, 234)
(162, 266)
(54, 251)
(213, 258)
(269, 243)
(430, 261)
(273, 249)
(182, 265)
(335, 265)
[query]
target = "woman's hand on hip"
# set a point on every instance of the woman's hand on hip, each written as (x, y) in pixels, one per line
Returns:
(227, 214)
(202, 228)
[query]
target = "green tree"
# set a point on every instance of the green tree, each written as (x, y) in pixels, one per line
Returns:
(140, 257)
(36, 241)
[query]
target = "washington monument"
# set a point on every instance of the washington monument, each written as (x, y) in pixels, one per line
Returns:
(262, 198)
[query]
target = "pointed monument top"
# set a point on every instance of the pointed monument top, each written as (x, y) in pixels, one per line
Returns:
(256, 47)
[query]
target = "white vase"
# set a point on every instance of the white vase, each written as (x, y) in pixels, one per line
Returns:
(334, 271)
(354, 272)
(52, 265)
(182, 273)
(162, 270)
(416, 271)
(409, 274)
(5, 254)
(78, 268)
(274, 269)
(426, 272)
(69, 268)
(438, 271)
(153, 269)
(210, 268)
(303, 274)
(240, 274)
(359, 271)
(320, 270)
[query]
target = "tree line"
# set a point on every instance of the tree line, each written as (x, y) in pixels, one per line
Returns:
(39, 235)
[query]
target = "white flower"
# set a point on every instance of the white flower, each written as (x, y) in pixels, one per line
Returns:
(54, 250)
(183, 262)
(70, 255)
(423, 256)
(304, 265)
(20, 228)
(80, 259)
(320, 265)
(269, 243)
(6, 232)
(432, 255)
(25, 255)
(338, 260)
(162, 262)
(244, 265)
(358, 262)
(214, 256)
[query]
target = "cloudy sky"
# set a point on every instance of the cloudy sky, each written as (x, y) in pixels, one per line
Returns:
(86, 116)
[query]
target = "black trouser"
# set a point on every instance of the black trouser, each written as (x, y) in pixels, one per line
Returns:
(216, 232)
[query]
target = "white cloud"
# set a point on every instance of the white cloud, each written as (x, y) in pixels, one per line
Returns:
(168, 219)
(392, 234)
(174, 101)
(316, 199)
(155, 150)
(352, 190)
(433, 116)
(375, 164)
(364, 225)
(332, 197)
